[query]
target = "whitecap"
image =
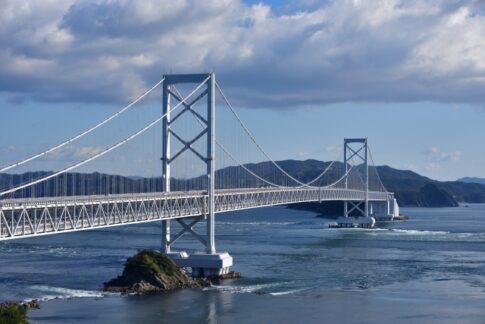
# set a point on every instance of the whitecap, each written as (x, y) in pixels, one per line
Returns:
(418, 232)
(65, 293)
(242, 289)
(288, 292)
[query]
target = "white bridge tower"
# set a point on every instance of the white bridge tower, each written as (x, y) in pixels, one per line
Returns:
(356, 148)
(211, 263)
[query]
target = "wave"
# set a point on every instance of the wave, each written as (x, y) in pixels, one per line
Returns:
(242, 289)
(65, 293)
(418, 232)
(394, 231)
(288, 292)
(414, 234)
(436, 235)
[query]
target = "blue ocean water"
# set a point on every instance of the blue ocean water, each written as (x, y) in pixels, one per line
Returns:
(428, 269)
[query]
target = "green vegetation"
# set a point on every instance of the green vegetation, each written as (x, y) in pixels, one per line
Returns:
(150, 261)
(11, 313)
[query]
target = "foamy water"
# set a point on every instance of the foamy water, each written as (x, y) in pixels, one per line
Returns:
(65, 293)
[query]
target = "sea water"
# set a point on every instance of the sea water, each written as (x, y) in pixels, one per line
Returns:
(428, 269)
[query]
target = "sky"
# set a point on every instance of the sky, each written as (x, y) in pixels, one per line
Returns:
(304, 74)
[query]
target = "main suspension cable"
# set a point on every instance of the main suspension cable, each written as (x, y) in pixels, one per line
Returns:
(253, 139)
(227, 151)
(247, 169)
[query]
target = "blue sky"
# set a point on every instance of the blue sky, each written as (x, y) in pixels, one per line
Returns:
(304, 74)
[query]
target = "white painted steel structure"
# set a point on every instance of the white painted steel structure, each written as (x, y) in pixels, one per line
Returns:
(41, 216)
(208, 130)
(361, 152)
(28, 217)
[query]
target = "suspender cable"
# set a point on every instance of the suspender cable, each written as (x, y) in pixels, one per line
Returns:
(245, 168)
(111, 148)
(253, 139)
(272, 183)
(72, 139)
(378, 176)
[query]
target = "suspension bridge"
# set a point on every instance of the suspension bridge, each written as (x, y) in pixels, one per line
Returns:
(75, 196)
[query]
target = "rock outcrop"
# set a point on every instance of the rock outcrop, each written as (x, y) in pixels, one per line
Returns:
(151, 271)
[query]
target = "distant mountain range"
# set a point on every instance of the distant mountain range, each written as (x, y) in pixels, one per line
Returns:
(410, 188)
(472, 180)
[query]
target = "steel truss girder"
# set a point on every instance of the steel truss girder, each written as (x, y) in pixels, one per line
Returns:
(41, 216)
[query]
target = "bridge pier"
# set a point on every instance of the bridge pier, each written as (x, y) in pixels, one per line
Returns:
(379, 211)
(385, 210)
(166, 236)
(214, 265)
(210, 263)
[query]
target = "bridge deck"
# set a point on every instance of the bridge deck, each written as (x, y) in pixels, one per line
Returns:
(41, 216)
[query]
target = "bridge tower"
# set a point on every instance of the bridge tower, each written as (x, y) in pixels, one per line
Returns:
(210, 264)
(356, 148)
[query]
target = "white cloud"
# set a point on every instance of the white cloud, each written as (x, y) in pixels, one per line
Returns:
(436, 155)
(431, 167)
(382, 50)
(73, 153)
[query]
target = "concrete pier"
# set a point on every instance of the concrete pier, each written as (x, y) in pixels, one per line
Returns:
(204, 265)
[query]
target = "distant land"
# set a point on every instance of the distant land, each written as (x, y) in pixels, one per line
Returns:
(472, 180)
(410, 188)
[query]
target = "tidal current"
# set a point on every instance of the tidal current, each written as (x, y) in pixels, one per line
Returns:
(428, 269)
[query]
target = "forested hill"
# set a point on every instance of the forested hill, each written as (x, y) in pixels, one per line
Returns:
(410, 188)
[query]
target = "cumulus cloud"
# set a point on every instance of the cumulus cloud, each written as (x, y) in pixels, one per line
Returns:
(322, 52)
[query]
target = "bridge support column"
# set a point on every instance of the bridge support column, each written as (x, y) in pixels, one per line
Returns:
(166, 236)
(210, 264)
(385, 210)
(166, 163)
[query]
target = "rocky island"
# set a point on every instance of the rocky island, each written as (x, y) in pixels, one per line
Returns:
(150, 271)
